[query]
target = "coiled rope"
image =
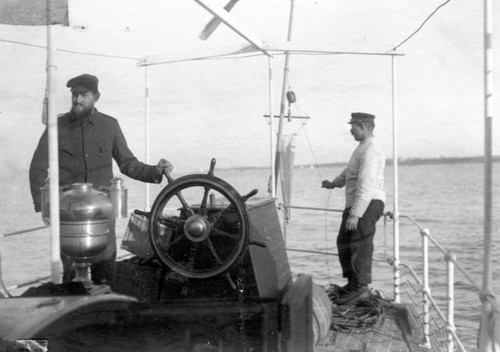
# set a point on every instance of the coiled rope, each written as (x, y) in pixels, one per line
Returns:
(361, 317)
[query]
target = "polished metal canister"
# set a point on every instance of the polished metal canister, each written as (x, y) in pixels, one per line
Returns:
(117, 193)
(84, 222)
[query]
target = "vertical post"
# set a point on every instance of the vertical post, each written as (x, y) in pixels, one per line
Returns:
(397, 297)
(283, 93)
(271, 126)
(488, 197)
(385, 238)
(485, 338)
(450, 321)
(146, 132)
(55, 261)
(426, 291)
(284, 226)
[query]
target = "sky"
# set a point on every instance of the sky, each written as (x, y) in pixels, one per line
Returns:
(200, 110)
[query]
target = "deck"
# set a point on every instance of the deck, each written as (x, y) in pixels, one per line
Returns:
(395, 329)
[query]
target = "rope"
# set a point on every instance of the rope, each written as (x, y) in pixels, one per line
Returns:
(1, 281)
(303, 124)
(421, 25)
(316, 165)
(360, 317)
(326, 237)
(302, 127)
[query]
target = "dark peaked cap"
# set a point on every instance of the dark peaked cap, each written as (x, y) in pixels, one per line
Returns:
(359, 117)
(86, 81)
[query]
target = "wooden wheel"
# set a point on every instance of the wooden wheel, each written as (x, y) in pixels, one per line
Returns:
(199, 225)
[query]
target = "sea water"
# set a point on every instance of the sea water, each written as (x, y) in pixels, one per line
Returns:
(445, 198)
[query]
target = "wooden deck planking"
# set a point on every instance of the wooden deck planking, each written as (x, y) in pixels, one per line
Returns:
(386, 336)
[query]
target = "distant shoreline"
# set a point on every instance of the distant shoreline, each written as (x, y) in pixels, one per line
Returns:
(409, 161)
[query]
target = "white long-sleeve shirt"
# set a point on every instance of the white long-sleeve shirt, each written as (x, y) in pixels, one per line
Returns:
(363, 177)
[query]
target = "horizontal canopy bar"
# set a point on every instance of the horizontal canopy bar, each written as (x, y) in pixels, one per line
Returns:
(241, 50)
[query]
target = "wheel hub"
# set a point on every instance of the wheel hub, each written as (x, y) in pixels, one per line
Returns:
(197, 228)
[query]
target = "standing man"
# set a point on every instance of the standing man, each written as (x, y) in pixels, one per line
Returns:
(363, 179)
(88, 141)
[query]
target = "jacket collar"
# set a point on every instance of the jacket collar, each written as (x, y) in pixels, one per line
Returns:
(92, 118)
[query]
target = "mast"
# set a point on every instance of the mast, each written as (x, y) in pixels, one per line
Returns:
(283, 96)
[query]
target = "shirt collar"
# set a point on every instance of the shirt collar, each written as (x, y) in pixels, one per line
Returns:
(367, 140)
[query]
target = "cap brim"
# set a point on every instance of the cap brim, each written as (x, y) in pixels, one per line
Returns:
(80, 89)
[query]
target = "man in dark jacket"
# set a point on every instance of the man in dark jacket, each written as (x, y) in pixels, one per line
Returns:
(88, 141)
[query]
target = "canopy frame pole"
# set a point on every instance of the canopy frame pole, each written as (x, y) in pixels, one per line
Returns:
(146, 133)
(487, 342)
(271, 128)
(395, 157)
(55, 258)
(488, 173)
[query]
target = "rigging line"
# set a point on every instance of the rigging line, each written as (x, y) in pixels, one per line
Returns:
(312, 153)
(2, 284)
(326, 236)
(229, 56)
(329, 195)
(327, 201)
(214, 57)
(100, 55)
(421, 26)
(21, 43)
(69, 51)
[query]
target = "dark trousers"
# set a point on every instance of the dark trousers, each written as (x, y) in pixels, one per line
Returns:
(102, 268)
(356, 247)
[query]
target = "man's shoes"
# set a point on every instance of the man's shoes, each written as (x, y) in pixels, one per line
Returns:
(335, 291)
(354, 293)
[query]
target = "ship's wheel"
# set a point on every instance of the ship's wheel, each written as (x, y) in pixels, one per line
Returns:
(199, 225)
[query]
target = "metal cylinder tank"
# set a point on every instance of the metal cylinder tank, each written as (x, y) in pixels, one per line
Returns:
(84, 218)
(118, 196)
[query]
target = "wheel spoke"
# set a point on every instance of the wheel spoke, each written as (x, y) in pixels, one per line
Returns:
(226, 234)
(213, 251)
(185, 205)
(203, 206)
(176, 240)
(192, 254)
(215, 217)
(172, 222)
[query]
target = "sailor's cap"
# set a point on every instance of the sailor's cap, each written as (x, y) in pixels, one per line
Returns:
(359, 117)
(83, 83)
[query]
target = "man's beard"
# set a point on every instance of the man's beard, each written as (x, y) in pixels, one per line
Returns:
(81, 113)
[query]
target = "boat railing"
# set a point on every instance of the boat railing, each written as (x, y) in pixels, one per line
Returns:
(428, 302)
(6, 290)
(451, 263)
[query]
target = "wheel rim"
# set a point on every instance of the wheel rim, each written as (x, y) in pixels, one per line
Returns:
(199, 240)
